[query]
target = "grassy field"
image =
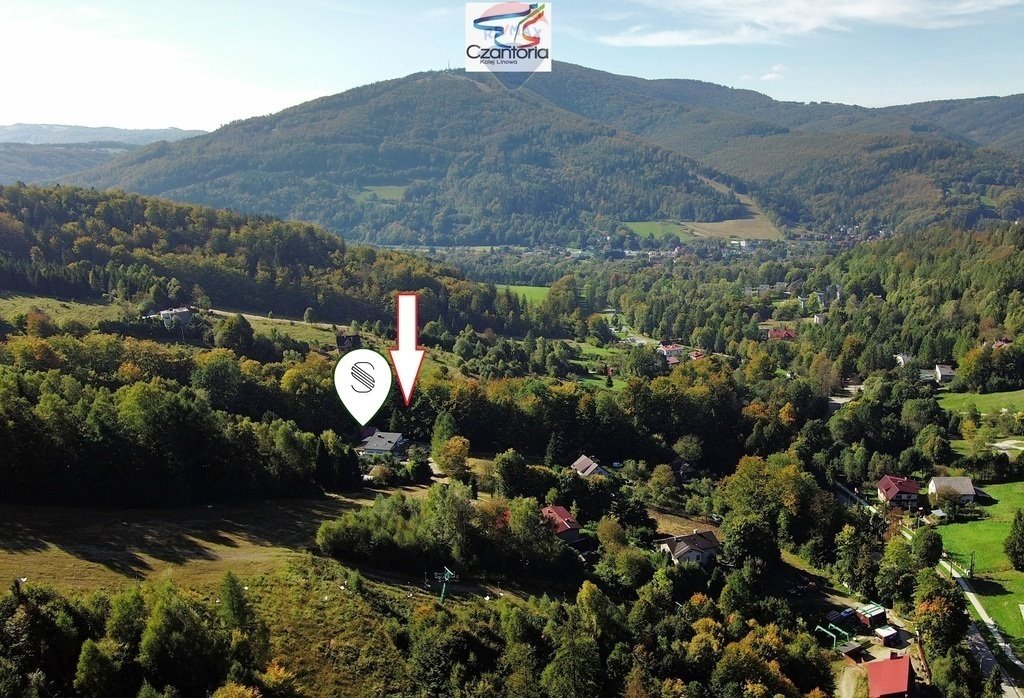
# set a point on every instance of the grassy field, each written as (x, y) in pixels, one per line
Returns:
(387, 192)
(1000, 587)
(85, 549)
(88, 313)
(533, 294)
(754, 228)
(659, 229)
(988, 403)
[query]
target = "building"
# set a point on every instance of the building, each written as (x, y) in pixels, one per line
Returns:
(890, 678)
(783, 333)
(672, 360)
(173, 316)
(902, 359)
(871, 615)
(820, 318)
(348, 341)
(701, 547)
(696, 355)
(670, 350)
(888, 635)
(944, 373)
(567, 528)
(962, 486)
(381, 443)
(898, 491)
(587, 466)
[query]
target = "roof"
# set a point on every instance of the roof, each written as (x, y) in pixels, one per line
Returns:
(944, 370)
(960, 485)
(564, 521)
(888, 676)
(698, 540)
(784, 333)
(585, 465)
(871, 609)
(892, 485)
(381, 441)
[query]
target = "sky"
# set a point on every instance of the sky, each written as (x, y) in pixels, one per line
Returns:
(201, 64)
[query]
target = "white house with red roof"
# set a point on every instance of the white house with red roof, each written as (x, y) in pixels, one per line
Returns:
(898, 491)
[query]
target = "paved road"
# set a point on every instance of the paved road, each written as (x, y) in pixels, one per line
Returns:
(975, 640)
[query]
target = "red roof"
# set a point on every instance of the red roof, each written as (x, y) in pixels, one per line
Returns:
(888, 677)
(564, 521)
(891, 485)
(784, 333)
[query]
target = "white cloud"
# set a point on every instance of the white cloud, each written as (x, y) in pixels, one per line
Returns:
(777, 72)
(94, 64)
(714, 22)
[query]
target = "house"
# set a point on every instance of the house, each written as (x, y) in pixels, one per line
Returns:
(672, 361)
(1001, 343)
(926, 375)
(567, 528)
(872, 615)
(587, 466)
(902, 359)
(820, 318)
(173, 316)
(670, 350)
(962, 486)
(784, 333)
(348, 341)
(696, 355)
(381, 443)
(890, 678)
(944, 373)
(898, 491)
(701, 547)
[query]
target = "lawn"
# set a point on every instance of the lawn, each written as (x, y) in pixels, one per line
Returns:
(1000, 587)
(87, 312)
(987, 403)
(754, 228)
(533, 294)
(659, 229)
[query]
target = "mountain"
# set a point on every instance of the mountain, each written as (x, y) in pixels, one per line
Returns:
(451, 158)
(61, 133)
(820, 163)
(433, 158)
(49, 162)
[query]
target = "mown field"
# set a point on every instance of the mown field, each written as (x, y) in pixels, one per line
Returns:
(1000, 587)
(533, 294)
(659, 229)
(988, 403)
(88, 313)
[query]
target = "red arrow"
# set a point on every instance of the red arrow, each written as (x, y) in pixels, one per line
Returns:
(407, 357)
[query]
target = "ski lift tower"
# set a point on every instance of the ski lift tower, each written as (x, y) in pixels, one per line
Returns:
(444, 578)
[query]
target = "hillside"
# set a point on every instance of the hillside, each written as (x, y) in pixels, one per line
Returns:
(433, 158)
(48, 162)
(819, 164)
(62, 133)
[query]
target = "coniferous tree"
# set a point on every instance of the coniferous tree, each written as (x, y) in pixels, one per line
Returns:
(1014, 544)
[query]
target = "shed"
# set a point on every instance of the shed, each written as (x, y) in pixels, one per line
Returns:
(871, 615)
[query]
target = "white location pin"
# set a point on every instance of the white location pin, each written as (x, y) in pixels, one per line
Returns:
(363, 381)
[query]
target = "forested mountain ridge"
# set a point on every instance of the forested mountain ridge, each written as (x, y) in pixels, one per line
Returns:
(48, 162)
(433, 158)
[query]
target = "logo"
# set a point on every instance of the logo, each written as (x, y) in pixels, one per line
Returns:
(362, 373)
(509, 37)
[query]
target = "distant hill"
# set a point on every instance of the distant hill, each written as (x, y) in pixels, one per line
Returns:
(50, 162)
(450, 158)
(433, 158)
(61, 133)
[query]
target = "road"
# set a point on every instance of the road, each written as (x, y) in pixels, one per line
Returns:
(264, 318)
(975, 640)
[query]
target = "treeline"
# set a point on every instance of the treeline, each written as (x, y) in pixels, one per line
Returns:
(82, 243)
(157, 642)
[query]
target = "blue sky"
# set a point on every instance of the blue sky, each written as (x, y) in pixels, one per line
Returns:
(198, 64)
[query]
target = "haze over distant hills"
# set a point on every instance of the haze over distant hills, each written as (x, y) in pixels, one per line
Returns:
(445, 157)
(61, 133)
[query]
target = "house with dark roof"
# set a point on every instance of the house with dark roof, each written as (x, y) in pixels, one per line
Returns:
(898, 491)
(961, 486)
(567, 528)
(347, 342)
(381, 443)
(944, 373)
(587, 466)
(701, 547)
(890, 678)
